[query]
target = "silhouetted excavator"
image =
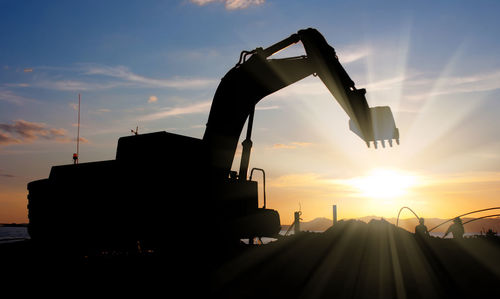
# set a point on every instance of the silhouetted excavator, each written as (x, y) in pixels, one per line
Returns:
(183, 187)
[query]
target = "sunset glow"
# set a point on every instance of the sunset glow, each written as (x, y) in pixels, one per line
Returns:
(383, 184)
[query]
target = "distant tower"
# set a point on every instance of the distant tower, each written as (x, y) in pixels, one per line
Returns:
(334, 214)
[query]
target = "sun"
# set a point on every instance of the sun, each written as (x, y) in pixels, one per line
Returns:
(384, 184)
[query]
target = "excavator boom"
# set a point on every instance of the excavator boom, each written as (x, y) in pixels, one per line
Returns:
(254, 78)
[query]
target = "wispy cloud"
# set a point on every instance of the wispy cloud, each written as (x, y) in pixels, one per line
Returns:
(385, 84)
(231, 4)
(127, 76)
(309, 180)
(462, 178)
(16, 85)
(479, 82)
(290, 145)
(82, 140)
(419, 86)
(9, 96)
(202, 107)
(473, 83)
(76, 85)
(6, 175)
(89, 76)
(267, 107)
(21, 131)
(351, 54)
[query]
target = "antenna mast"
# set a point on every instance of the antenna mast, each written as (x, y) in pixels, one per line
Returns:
(77, 154)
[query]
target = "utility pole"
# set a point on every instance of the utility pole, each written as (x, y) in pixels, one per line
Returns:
(77, 154)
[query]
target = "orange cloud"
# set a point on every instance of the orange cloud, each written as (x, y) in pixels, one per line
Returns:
(83, 140)
(6, 139)
(22, 131)
(291, 145)
(152, 99)
(281, 145)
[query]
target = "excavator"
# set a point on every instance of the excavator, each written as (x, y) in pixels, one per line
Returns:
(165, 189)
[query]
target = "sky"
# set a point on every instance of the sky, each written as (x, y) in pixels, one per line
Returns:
(155, 65)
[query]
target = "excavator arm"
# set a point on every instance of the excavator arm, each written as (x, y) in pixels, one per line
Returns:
(254, 78)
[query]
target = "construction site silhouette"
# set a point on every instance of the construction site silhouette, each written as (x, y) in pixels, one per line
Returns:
(169, 215)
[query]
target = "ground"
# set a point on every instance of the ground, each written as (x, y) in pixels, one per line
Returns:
(352, 259)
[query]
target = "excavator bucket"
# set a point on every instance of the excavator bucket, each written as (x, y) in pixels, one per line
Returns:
(371, 124)
(381, 127)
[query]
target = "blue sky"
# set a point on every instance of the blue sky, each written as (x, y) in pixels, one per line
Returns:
(156, 65)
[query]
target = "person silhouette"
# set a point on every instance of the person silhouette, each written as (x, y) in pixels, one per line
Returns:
(421, 229)
(457, 229)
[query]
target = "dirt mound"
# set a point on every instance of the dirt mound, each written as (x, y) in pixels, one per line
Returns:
(354, 259)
